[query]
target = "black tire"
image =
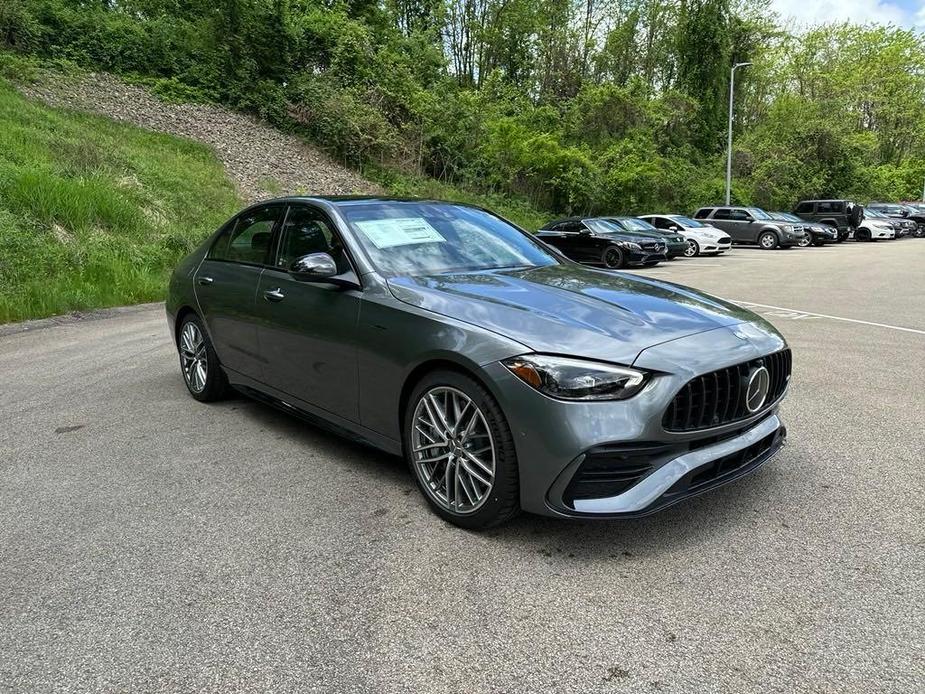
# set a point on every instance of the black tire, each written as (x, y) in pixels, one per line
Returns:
(216, 383)
(768, 240)
(862, 235)
(818, 243)
(693, 249)
(503, 502)
(613, 258)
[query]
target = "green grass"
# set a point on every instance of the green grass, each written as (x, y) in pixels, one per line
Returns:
(517, 210)
(95, 213)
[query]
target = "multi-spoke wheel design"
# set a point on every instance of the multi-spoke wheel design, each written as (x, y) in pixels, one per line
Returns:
(193, 357)
(452, 449)
(693, 249)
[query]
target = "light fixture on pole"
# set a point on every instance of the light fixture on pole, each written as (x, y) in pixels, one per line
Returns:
(732, 86)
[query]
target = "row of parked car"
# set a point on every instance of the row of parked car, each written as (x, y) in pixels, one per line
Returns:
(648, 239)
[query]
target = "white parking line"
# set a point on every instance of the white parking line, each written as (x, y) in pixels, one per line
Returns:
(796, 313)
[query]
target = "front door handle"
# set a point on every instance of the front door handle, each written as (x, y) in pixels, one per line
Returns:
(274, 295)
(205, 280)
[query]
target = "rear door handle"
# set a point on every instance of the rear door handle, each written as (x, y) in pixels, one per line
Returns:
(205, 280)
(274, 295)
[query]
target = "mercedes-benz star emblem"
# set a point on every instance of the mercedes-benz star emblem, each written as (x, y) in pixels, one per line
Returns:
(759, 380)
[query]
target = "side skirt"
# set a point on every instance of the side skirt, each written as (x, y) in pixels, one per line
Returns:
(316, 416)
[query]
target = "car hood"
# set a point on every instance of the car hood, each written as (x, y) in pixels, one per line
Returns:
(571, 309)
(709, 232)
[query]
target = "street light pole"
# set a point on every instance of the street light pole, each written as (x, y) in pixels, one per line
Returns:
(732, 86)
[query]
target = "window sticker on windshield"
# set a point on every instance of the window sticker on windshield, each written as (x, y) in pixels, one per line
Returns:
(404, 231)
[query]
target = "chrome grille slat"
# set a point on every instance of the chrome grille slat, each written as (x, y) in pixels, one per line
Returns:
(718, 397)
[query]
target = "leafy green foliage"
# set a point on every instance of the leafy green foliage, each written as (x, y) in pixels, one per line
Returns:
(95, 213)
(589, 107)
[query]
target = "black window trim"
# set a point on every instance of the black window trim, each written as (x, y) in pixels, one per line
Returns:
(276, 241)
(233, 222)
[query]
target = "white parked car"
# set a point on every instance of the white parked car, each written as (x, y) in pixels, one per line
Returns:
(875, 225)
(701, 238)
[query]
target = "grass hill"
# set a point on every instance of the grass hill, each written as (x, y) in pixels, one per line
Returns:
(95, 213)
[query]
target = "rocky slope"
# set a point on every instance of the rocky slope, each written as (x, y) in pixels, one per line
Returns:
(262, 161)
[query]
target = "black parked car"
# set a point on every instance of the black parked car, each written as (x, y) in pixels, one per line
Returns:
(917, 214)
(816, 234)
(677, 244)
(844, 215)
(907, 226)
(597, 241)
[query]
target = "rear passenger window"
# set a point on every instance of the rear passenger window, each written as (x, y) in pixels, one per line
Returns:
(702, 213)
(723, 213)
(248, 240)
(804, 207)
(825, 207)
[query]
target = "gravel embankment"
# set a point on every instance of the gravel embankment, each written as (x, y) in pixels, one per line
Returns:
(262, 161)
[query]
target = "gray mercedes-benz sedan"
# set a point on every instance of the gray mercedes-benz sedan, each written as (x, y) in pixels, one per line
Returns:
(508, 376)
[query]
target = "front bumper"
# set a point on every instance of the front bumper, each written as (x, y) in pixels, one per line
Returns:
(553, 437)
(645, 258)
(689, 474)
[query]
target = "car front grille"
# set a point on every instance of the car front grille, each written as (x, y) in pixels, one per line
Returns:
(725, 239)
(718, 397)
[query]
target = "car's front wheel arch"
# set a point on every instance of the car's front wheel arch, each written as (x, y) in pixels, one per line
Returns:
(417, 374)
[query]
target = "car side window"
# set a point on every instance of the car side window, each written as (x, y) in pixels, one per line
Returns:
(838, 207)
(248, 239)
(723, 213)
(825, 207)
(659, 222)
(702, 213)
(804, 207)
(740, 215)
(308, 230)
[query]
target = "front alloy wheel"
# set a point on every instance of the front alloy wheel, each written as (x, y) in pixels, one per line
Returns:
(454, 454)
(613, 258)
(768, 240)
(806, 241)
(461, 451)
(693, 249)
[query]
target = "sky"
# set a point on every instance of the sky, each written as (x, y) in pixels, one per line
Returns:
(904, 13)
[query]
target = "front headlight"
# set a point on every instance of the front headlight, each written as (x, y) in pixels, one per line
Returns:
(788, 228)
(576, 379)
(631, 246)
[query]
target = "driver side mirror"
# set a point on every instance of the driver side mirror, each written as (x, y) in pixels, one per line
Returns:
(584, 232)
(314, 267)
(674, 227)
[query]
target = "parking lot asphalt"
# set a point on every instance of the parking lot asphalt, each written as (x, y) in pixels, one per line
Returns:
(152, 543)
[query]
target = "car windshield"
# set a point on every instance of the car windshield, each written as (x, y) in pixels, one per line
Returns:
(758, 213)
(636, 224)
(785, 216)
(888, 209)
(605, 226)
(873, 213)
(425, 238)
(687, 222)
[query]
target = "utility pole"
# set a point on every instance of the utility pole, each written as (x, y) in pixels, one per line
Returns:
(732, 86)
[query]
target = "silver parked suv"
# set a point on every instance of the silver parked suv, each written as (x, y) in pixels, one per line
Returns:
(752, 225)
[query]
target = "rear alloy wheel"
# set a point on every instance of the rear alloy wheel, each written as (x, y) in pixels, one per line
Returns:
(768, 240)
(202, 373)
(461, 451)
(693, 249)
(613, 258)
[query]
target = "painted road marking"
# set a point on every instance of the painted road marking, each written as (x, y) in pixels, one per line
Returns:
(796, 314)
